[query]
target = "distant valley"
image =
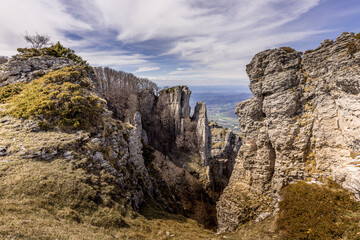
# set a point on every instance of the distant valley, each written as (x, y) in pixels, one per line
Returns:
(220, 102)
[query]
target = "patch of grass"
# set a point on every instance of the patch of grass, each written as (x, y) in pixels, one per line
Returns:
(54, 200)
(311, 211)
(62, 98)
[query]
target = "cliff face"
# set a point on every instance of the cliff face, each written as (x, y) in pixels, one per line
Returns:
(224, 149)
(302, 124)
(182, 143)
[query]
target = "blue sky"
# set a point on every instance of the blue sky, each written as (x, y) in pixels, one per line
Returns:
(172, 42)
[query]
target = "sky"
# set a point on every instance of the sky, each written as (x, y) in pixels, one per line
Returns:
(177, 42)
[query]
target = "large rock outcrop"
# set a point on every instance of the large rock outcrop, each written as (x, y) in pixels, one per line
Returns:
(20, 69)
(302, 124)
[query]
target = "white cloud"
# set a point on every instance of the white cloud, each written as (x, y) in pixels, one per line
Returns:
(116, 59)
(146, 69)
(20, 16)
(215, 39)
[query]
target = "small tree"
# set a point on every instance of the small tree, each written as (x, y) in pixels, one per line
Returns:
(38, 40)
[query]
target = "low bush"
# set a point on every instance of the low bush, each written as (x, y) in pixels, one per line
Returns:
(10, 90)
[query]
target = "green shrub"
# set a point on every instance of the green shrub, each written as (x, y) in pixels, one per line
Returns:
(61, 98)
(56, 50)
(288, 49)
(10, 90)
(357, 36)
(311, 211)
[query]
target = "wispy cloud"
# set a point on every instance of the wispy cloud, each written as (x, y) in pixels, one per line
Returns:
(146, 69)
(204, 41)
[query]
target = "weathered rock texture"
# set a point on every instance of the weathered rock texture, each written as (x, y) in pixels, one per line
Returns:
(170, 129)
(224, 149)
(302, 124)
(183, 145)
(20, 69)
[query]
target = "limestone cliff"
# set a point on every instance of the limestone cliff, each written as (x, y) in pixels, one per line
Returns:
(302, 124)
(182, 143)
(224, 149)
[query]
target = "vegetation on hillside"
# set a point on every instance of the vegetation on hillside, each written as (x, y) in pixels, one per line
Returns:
(56, 50)
(60, 98)
(312, 211)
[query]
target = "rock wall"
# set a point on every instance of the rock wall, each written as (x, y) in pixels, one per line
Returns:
(169, 127)
(302, 124)
(224, 149)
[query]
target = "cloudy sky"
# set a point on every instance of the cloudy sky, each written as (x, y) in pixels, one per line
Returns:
(194, 42)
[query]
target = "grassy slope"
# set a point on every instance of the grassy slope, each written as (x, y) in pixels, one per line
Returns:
(56, 199)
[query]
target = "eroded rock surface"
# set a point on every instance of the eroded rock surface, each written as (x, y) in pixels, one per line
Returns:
(224, 149)
(20, 69)
(302, 124)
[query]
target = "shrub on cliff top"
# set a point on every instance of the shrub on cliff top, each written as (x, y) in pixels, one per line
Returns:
(311, 211)
(61, 98)
(56, 50)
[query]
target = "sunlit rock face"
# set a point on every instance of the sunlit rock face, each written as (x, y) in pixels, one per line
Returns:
(302, 124)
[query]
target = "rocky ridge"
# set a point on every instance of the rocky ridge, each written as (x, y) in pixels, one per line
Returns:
(302, 124)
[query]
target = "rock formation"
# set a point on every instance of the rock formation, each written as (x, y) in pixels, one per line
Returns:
(225, 147)
(302, 124)
(20, 69)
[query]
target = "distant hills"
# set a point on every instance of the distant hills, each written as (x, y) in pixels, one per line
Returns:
(220, 102)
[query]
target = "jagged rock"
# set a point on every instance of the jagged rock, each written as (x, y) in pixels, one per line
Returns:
(303, 124)
(202, 132)
(20, 69)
